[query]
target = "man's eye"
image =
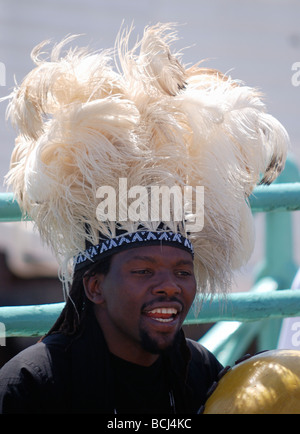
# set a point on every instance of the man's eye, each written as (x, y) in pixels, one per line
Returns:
(183, 273)
(142, 271)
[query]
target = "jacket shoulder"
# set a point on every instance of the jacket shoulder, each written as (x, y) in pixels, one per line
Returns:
(199, 350)
(203, 370)
(203, 364)
(32, 373)
(37, 358)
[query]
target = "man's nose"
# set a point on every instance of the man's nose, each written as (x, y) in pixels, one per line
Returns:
(166, 284)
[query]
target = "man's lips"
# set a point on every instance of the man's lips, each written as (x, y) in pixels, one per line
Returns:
(163, 313)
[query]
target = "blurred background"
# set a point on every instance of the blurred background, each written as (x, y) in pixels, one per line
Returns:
(256, 41)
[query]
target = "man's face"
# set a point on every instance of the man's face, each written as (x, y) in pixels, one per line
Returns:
(145, 298)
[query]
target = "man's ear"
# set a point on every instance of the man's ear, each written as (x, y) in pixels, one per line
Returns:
(93, 287)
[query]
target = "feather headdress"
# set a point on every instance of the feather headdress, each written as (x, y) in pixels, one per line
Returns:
(84, 123)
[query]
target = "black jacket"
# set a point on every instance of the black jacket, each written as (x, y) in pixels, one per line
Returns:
(66, 375)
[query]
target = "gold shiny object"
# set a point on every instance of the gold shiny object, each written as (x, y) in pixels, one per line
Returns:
(268, 383)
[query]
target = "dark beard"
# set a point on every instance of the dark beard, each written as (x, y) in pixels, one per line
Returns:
(151, 346)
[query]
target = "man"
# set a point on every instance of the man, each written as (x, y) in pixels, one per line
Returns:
(94, 149)
(127, 353)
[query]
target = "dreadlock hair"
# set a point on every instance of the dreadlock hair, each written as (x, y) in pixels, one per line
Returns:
(72, 318)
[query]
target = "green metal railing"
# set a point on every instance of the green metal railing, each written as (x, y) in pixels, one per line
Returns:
(240, 317)
(275, 197)
(36, 320)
